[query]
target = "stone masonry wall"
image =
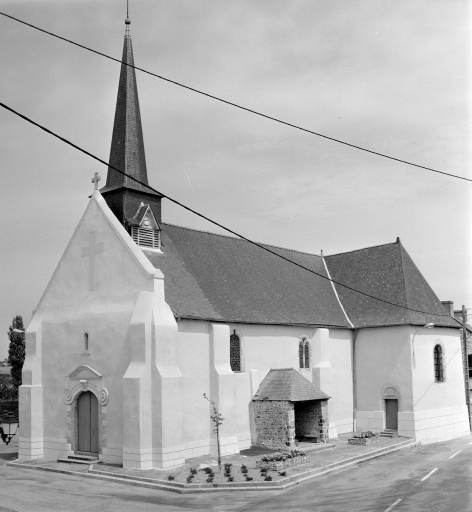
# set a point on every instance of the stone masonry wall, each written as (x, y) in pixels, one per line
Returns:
(311, 419)
(275, 424)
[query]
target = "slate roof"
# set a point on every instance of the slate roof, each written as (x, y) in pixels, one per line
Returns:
(387, 272)
(127, 145)
(288, 384)
(139, 215)
(221, 278)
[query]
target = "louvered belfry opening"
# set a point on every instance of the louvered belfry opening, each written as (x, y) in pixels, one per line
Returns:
(146, 237)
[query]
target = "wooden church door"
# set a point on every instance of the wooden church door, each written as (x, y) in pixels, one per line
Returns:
(391, 413)
(87, 411)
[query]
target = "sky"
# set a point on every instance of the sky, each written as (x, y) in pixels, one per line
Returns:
(391, 76)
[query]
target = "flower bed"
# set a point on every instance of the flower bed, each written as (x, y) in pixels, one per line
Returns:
(229, 474)
(278, 461)
(364, 438)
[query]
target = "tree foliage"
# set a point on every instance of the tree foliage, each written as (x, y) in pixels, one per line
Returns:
(16, 350)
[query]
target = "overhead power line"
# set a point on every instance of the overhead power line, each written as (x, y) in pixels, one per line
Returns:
(227, 102)
(217, 223)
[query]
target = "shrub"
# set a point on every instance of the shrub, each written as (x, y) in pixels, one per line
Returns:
(297, 453)
(268, 478)
(228, 466)
(210, 479)
(248, 478)
(244, 469)
(282, 473)
(193, 471)
(170, 478)
(275, 457)
(367, 434)
(230, 478)
(189, 479)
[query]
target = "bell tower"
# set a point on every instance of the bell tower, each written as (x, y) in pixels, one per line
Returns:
(128, 199)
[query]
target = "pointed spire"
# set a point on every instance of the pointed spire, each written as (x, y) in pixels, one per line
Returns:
(122, 194)
(127, 145)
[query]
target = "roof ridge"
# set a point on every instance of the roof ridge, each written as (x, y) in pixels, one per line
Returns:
(361, 249)
(241, 239)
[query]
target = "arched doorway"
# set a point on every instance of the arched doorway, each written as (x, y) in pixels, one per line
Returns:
(87, 421)
(391, 396)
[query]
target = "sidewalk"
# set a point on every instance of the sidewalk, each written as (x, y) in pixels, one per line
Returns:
(334, 455)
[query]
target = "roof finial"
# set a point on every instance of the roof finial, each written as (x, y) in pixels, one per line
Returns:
(127, 20)
(95, 180)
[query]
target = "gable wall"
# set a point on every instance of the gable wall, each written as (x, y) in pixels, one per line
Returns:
(69, 309)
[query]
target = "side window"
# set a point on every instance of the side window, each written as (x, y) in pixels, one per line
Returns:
(307, 354)
(304, 352)
(438, 364)
(469, 358)
(235, 352)
(301, 352)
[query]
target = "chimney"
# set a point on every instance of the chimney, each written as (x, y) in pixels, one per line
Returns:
(449, 306)
(460, 314)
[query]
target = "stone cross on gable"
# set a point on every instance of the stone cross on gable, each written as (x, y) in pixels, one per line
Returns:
(95, 180)
(90, 251)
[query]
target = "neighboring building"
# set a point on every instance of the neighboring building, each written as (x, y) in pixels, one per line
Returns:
(142, 317)
(466, 345)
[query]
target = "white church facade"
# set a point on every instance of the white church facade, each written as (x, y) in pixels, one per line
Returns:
(141, 318)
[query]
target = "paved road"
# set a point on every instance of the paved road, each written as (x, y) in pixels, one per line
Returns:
(373, 486)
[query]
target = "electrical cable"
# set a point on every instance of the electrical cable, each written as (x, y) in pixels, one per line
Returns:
(383, 155)
(212, 221)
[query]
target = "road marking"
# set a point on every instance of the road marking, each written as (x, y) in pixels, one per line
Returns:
(429, 474)
(454, 454)
(392, 505)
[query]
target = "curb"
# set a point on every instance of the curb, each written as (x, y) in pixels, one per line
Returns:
(181, 488)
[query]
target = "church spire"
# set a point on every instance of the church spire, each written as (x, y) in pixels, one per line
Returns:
(123, 194)
(127, 145)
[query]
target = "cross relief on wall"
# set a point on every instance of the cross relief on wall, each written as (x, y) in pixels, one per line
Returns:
(91, 251)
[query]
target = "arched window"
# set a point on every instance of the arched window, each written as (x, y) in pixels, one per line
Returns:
(235, 352)
(307, 354)
(301, 359)
(438, 364)
(304, 353)
(86, 345)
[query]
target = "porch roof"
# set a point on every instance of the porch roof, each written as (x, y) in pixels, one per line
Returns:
(288, 384)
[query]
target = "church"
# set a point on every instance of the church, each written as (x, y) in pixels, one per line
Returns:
(141, 318)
